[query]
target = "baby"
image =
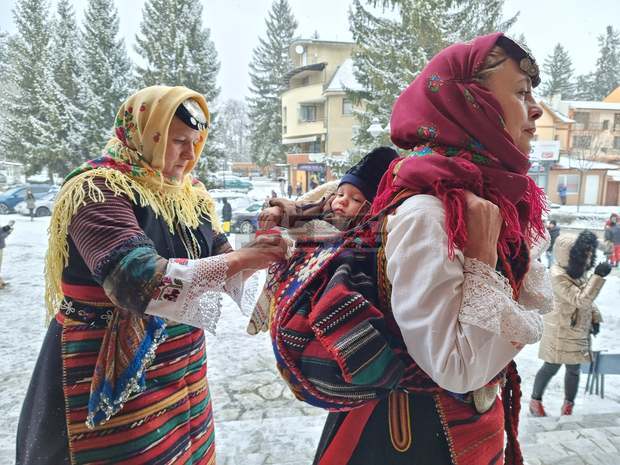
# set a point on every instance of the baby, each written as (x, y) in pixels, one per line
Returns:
(343, 208)
(337, 210)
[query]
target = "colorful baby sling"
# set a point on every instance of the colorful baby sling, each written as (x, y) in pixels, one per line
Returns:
(338, 347)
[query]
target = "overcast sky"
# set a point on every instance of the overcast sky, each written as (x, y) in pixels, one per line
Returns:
(236, 25)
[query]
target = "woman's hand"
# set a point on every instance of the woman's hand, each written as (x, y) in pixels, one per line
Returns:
(257, 255)
(270, 217)
(484, 224)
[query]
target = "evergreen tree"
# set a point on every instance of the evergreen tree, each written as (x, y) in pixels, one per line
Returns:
(22, 138)
(64, 96)
(584, 88)
(233, 129)
(392, 49)
(4, 78)
(270, 64)
(607, 75)
(106, 73)
(176, 48)
(558, 69)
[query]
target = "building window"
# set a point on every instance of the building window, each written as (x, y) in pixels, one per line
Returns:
(582, 142)
(582, 118)
(571, 181)
(616, 121)
(284, 114)
(307, 113)
(616, 143)
(347, 107)
(314, 147)
(605, 125)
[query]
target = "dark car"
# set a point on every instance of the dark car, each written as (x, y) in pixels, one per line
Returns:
(245, 221)
(17, 194)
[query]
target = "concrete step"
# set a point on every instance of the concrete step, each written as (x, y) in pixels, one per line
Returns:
(576, 440)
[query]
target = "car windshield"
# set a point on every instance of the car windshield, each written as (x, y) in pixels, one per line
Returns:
(13, 191)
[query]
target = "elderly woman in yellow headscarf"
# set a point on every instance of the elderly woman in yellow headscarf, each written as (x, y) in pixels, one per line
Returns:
(135, 267)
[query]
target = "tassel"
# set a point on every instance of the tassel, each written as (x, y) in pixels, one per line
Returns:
(511, 398)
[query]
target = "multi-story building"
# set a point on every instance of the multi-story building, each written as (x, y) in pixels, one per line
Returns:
(589, 137)
(596, 131)
(317, 116)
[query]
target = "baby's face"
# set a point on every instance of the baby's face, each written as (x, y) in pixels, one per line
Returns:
(348, 201)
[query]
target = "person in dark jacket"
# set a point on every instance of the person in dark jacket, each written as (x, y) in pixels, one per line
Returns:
(226, 216)
(612, 237)
(30, 203)
(554, 232)
(562, 189)
(4, 232)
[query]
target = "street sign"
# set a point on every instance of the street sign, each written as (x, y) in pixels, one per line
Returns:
(545, 150)
(313, 167)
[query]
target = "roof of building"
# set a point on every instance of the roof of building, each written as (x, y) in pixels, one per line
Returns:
(344, 78)
(556, 113)
(568, 162)
(301, 69)
(592, 105)
(614, 96)
(318, 41)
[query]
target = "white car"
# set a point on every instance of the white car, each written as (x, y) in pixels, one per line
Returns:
(237, 200)
(42, 206)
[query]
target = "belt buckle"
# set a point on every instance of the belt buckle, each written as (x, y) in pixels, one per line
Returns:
(484, 397)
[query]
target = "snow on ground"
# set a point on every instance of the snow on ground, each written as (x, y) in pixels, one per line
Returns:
(257, 419)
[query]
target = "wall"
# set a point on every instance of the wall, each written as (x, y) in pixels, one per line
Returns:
(339, 126)
(291, 99)
(571, 198)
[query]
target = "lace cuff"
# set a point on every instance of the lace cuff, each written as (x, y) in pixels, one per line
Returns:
(537, 293)
(245, 290)
(488, 304)
(190, 292)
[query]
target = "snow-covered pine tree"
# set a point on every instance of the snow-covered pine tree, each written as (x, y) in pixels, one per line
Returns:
(558, 72)
(607, 75)
(178, 51)
(4, 77)
(386, 60)
(63, 105)
(233, 129)
(584, 87)
(29, 58)
(268, 69)
(176, 47)
(106, 73)
(393, 48)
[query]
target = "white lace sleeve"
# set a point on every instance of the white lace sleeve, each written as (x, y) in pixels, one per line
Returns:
(537, 293)
(488, 304)
(190, 291)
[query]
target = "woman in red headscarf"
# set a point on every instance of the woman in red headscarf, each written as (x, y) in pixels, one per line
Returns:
(460, 227)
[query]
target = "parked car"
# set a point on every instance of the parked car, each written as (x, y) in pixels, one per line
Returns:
(42, 206)
(17, 194)
(229, 181)
(237, 200)
(245, 221)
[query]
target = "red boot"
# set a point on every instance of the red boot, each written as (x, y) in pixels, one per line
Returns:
(537, 409)
(567, 408)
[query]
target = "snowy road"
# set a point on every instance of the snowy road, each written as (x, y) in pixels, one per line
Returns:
(257, 420)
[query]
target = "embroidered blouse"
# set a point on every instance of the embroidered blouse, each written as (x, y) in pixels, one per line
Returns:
(458, 318)
(124, 261)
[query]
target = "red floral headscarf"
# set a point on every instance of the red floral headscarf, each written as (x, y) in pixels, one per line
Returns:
(455, 127)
